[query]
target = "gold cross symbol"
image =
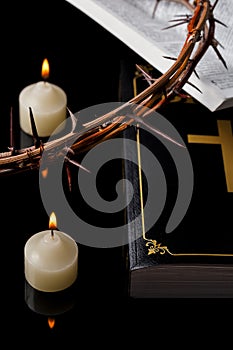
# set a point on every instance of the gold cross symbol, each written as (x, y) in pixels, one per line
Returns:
(225, 139)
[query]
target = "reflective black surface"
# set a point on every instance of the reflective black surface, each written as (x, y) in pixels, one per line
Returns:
(89, 75)
(84, 66)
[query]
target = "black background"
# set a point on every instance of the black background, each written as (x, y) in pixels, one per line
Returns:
(85, 61)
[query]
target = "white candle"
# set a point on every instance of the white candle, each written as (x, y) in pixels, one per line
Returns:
(48, 103)
(51, 260)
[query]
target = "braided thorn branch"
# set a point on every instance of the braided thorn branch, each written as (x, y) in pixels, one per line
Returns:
(200, 36)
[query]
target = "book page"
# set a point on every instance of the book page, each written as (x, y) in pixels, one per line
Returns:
(132, 21)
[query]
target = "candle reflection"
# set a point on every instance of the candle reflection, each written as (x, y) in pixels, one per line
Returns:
(49, 304)
(51, 322)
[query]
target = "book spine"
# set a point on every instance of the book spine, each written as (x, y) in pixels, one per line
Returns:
(137, 252)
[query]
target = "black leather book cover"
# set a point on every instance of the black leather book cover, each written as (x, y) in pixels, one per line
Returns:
(191, 256)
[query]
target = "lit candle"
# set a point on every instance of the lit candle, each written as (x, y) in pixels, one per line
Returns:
(51, 259)
(48, 103)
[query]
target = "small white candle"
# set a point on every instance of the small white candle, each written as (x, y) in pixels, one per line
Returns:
(48, 103)
(51, 260)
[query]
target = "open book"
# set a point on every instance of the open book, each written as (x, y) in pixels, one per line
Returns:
(132, 22)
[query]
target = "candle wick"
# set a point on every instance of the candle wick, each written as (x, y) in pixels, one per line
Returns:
(52, 233)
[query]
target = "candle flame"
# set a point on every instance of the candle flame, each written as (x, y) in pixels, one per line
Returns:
(51, 322)
(52, 221)
(45, 69)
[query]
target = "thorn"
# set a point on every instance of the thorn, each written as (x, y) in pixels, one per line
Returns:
(195, 72)
(170, 58)
(184, 15)
(155, 8)
(155, 130)
(223, 24)
(12, 140)
(36, 139)
(175, 25)
(148, 78)
(74, 120)
(180, 19)
(68, 175)
(194, 86)
(219, 54)
(76, 164)
(216, 43)
(69, 150)
(182, 95)
(213, 7)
